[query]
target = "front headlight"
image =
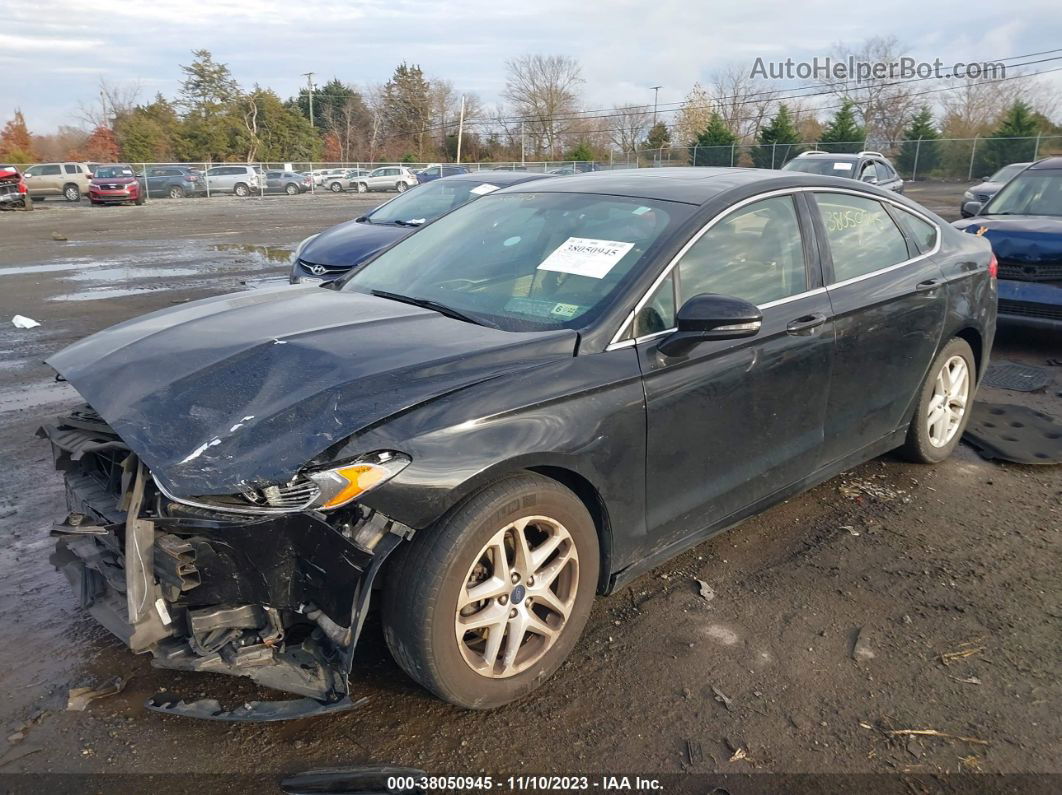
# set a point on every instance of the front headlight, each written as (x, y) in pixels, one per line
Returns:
(345, 484)
(303, 244)
(968, 195)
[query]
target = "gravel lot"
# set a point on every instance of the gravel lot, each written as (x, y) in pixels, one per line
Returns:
(946, 576)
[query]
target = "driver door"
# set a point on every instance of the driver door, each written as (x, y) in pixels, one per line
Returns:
(732, 422)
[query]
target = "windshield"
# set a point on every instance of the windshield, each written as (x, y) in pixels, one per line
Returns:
(113, 172)
(1007, 172)
(1029, 193)
(525, 261)
(821, 165)
(429, 201)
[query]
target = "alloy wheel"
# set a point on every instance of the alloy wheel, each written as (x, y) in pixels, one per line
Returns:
(517, 597)
(951, 391)
(72, 193)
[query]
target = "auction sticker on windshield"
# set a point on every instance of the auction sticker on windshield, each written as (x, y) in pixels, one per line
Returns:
(582, 256)
(480, 190)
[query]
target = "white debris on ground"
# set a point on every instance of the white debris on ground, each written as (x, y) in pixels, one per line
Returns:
(21, 321)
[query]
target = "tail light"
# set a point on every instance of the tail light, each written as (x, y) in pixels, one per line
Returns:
(22, 186)
(993, 267)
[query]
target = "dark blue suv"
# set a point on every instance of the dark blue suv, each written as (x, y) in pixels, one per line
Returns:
(438, 171)
(330, 254)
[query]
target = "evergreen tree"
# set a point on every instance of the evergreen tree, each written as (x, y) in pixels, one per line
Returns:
(1013, 141)
(843, 134)
(407, 106)
(16, 143)
(714, 145)
(148, 133)
(659, 136)
(920, 151)
(777, 141)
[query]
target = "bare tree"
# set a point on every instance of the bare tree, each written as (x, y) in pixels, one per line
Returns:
(974, 107)
(542, 90)
(629, 125)
(693, 116)
(114, 101)
(743, 102)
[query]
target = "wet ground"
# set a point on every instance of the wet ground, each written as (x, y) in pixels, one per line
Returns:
(894, 598)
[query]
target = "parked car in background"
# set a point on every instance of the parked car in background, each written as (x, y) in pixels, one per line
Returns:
(439, 170)
(288, 182)
(397, 178)
(322, 176)
(532, 400)
(576, 168)
(330, 254)
(174, 182)
(870, 167)
(68, 180)
(116, 185)
(345, 181)
(1023, 222)
(978, 195)
(239, 180)
(13, 191)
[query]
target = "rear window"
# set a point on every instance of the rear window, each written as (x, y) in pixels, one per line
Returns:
(822, 164)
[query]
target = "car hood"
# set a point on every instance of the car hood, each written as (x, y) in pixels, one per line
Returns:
(245, 389)
(348, 244)
(1019, 238)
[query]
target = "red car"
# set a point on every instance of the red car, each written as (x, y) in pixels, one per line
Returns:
(13, 189)
(115, 185)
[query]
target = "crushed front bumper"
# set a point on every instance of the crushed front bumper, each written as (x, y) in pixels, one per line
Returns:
(279, 599)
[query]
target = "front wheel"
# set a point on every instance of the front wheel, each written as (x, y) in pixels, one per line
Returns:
(484, 606)
(335, 187)
(401, 187)
(944, 404)
(72, 193)
(363, 188)
(241, 190)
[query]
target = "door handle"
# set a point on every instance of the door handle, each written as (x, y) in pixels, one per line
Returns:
(927, 285)
(805, 324)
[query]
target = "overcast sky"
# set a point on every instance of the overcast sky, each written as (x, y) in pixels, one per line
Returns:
(54, 51)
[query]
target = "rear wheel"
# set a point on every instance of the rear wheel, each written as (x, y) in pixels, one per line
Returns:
(484, 606)
(241, 190)
(363, 188)
(335, 187)
(176, 192)
(72, 192)
(401, 187)
(943, 405)
(291, 189)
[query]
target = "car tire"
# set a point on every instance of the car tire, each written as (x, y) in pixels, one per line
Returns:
(241, 190)
(176, 192)
(27, 203)
(363, 188)
(944, 404)
(71, 192)
(335, 187)
(421, 614)
(291, 189)
(401, 187)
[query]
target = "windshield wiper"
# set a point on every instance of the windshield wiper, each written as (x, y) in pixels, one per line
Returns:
(411, 222)
(427, 303)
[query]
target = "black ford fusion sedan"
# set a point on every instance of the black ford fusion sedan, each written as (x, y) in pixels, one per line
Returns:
(531, 401)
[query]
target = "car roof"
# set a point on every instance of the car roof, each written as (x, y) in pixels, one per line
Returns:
(1048, 163)
(498, 178)
(692, 185)
(834, 155)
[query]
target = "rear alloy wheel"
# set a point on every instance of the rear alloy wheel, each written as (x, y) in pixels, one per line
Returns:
(484, 606)
(335, 187)
(241, 190)
(72, 193)
(176, 192)
(943, 405)
(291, 189)
(401, 187)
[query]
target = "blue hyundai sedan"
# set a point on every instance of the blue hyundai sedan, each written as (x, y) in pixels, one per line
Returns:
(330, 254)
(1023, 222)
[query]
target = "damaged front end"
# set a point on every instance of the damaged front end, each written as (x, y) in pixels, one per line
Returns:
(278, 595)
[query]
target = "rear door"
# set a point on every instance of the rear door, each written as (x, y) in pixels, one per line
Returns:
(50, 181)
(889, 305)
(734, 421)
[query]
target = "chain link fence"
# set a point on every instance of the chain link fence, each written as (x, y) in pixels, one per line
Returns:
(951, 159)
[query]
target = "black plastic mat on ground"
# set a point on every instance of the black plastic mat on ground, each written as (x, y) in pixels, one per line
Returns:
(1014, 433)
(1018, 377)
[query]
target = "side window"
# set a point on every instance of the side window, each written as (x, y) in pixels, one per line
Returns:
(50, 170)
(861, 234)
(71, 169)
(755, 253)
(34, 171)
(869, 172)
(885, 170)
(658, 314)
(923, 232)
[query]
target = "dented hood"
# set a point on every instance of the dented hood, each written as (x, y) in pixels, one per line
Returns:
(247, 388)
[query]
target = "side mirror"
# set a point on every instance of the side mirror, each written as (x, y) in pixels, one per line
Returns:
(971, 208)
(708, 317)
(870, 179)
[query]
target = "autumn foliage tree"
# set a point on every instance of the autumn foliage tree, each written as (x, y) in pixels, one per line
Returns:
(16, 144)
(100, 147)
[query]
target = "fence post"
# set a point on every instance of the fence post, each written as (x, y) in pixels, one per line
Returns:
(313, 180)
(1036, 151)
(147, 191)
(973, 151)
(695, 161)
(918, 148)
(733, 146)
(774, 147)
(206, 178)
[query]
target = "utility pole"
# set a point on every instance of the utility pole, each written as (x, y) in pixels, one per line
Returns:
(656, 95)
(309, 88)
(460, 128)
